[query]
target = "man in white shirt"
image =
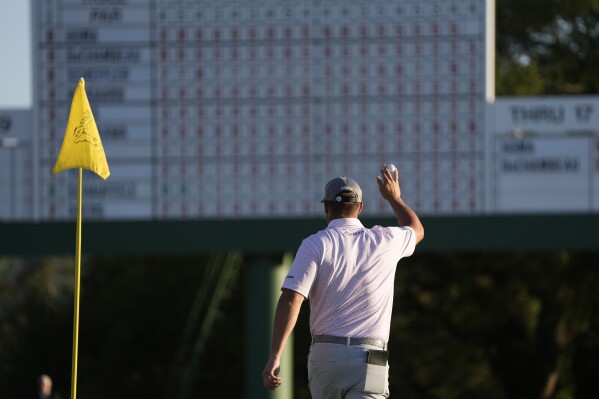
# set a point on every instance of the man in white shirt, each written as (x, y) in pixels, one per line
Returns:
(347, 272)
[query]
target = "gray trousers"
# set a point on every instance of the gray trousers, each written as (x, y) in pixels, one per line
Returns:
(337, 371)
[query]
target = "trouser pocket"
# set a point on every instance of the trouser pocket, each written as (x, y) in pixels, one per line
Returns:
(321, 377)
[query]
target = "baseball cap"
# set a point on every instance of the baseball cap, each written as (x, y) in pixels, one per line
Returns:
(342, 189)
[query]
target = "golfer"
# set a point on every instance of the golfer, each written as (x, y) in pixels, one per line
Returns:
(347, 272)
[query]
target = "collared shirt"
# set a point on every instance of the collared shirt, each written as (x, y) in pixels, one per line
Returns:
(347, 272)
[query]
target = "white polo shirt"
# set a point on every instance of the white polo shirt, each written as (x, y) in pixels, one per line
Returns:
(347, 272)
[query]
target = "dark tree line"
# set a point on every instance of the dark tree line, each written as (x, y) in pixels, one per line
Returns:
(492, 325)
(132, 316)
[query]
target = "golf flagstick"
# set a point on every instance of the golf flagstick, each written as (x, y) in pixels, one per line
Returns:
(81, 148)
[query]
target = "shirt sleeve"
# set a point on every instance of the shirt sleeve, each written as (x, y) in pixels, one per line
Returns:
(406, 237)
(302, 273)
(409, 241)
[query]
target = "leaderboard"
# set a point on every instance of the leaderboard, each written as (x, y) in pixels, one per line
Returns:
(229, 109)
(544, 155)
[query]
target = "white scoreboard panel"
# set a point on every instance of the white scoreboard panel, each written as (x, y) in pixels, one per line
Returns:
(16, 164)
(247, 108)
(544, 155)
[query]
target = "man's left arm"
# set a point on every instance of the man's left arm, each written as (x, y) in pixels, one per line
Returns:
(286, 313)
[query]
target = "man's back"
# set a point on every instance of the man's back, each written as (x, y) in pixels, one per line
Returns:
(350, 277)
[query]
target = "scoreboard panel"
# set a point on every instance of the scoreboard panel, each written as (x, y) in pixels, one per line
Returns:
(16, 164)
(544, 155)
(245, 109)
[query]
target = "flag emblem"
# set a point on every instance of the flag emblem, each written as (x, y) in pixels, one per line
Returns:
(84, 131)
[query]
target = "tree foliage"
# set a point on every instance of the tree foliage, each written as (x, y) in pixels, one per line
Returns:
(549, 47)
(492, 325)
(497, 326)
(133, 312)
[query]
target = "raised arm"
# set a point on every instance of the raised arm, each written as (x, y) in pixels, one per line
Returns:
(390, 191)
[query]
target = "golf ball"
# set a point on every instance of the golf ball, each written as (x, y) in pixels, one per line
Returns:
(391, 167)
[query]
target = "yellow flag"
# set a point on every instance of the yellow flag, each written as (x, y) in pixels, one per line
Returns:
(82, 147)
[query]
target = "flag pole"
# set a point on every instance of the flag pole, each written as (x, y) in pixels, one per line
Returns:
(81, 148)
(77, 290)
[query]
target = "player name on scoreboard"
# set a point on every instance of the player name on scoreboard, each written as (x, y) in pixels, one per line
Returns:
(545, 155)
(107, 43)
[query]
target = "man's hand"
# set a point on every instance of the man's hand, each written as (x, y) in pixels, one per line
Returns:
(388, 184)
(389, 188)
(270, 374)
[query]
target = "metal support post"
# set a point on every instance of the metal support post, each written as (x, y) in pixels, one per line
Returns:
(263, 287)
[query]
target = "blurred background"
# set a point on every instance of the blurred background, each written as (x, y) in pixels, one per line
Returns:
(222, 121)
(465, 325)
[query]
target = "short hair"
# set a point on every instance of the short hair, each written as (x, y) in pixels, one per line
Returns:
(343, 209)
